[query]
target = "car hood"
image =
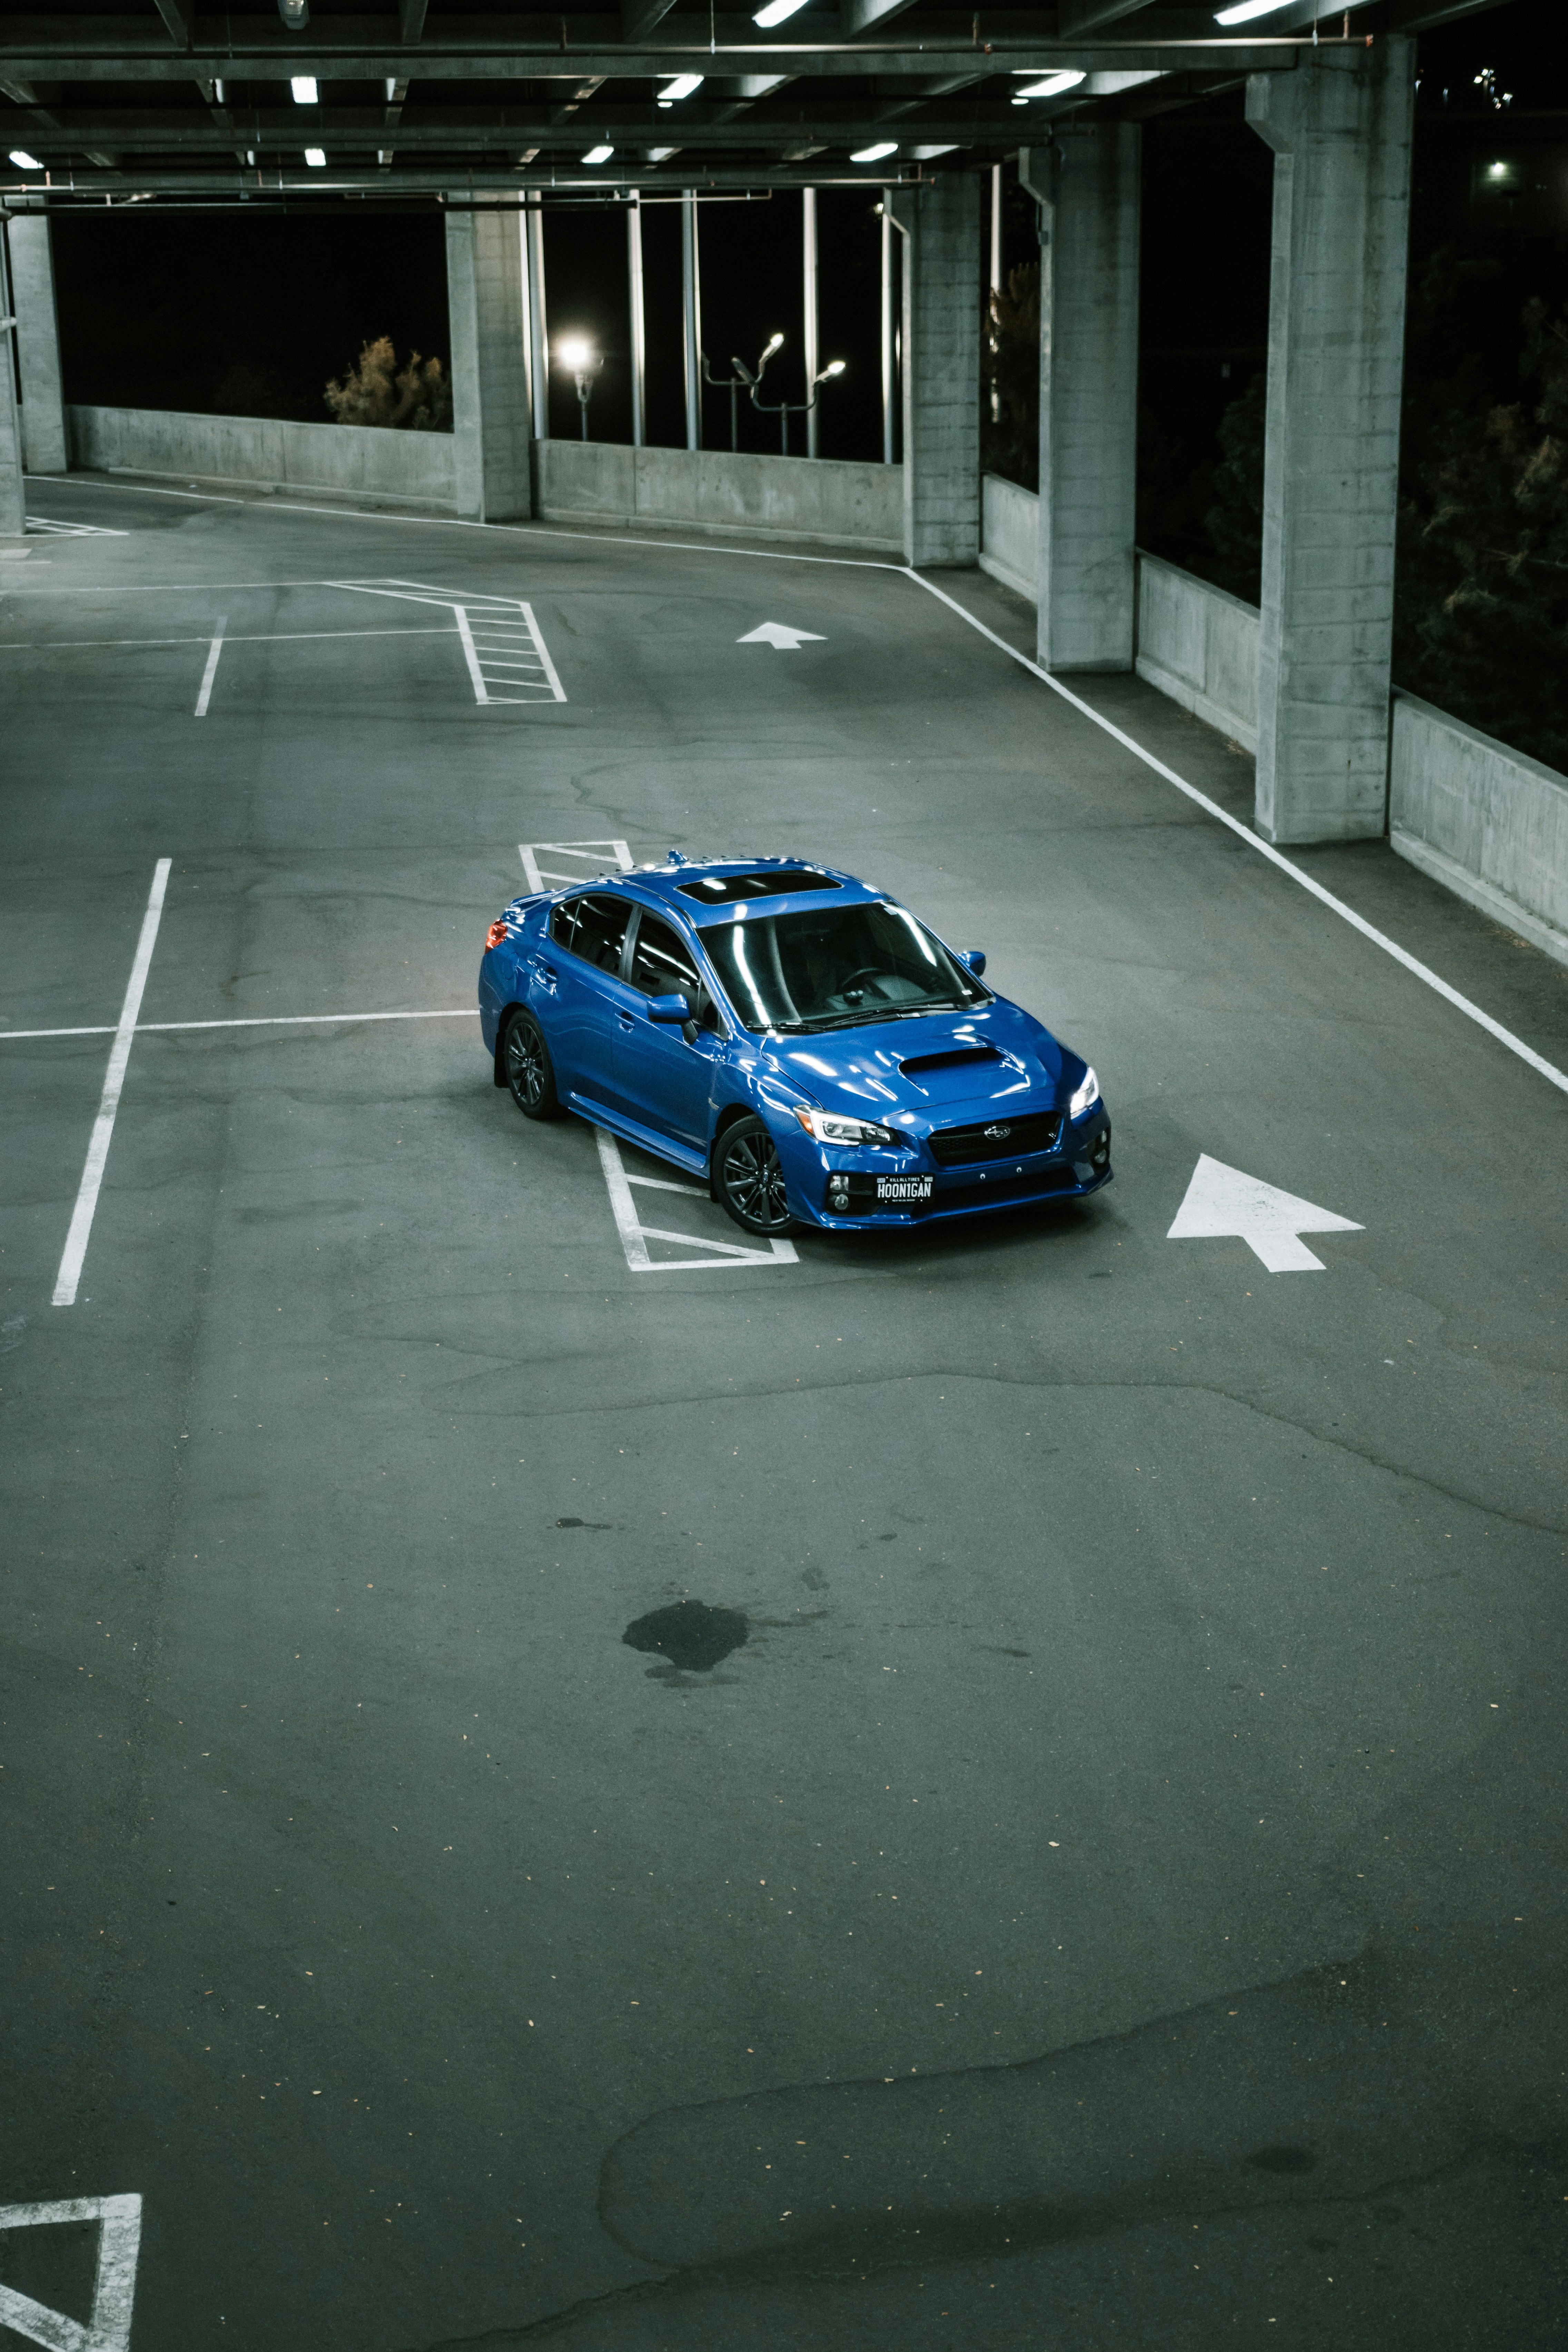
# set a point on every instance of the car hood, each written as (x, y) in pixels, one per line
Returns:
(932, 1064)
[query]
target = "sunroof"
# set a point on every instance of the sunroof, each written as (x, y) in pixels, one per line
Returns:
(724, 889)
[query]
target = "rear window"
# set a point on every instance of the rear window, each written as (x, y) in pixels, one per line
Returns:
(727, 889)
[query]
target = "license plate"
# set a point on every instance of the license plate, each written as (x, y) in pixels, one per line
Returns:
(903, 1188)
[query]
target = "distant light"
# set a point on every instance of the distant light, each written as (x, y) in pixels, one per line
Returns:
(316, 157)
(598, 155)
(833, 367)
(776, 11)
(875, 154)
(681, 87)
(574, 352)
(1051, 86)
(774, 343)
(1244, 11)
(1494, 170)
(24, 161)
(304, 89)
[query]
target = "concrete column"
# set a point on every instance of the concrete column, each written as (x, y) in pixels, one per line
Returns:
(44, 442)
(538, 323)
(1341, 128)
(1087, 186)
(490, 408)
(940, 367)
(13, 501)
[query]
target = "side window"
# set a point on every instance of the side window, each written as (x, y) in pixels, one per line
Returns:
(563, 921)
(599, 932)
(662, 964)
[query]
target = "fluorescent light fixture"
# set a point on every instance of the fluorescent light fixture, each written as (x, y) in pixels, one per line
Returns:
(24, 161)
(875, 154)
(598, 155)
(681, 87)
(775, 12)
(1051, 86)
(661, 155)
(574, 352)
(1244, 10)
(929, 154)
(316, 157)
(304, 89)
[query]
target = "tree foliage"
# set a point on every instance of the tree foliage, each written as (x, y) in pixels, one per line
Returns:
(1482, 621)
(1010, 409)
(416, 398)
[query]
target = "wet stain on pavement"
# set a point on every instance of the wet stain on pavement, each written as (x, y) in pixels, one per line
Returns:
(689, 1633)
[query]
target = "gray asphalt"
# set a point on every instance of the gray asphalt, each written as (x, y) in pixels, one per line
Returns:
(1113, 1897)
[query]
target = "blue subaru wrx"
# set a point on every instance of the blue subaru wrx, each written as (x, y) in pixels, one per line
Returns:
(794, 1037)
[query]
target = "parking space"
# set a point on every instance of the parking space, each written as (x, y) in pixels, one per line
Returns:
(1149, 1615)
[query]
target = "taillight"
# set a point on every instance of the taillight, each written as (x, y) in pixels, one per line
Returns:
(496, 933)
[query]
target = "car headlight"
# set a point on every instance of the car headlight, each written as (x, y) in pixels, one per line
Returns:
(1084, 1097)
(828, 1128)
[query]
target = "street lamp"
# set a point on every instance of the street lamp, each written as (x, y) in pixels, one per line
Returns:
(783, 409)
(576, 353)
(732, 383)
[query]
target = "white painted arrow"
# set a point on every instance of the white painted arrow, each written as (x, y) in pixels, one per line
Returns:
(783, 639)
(1221, 1199)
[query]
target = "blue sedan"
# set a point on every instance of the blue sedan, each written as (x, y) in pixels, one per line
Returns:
(792, 1037)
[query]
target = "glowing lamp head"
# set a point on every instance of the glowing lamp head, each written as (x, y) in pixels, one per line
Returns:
(574, 352)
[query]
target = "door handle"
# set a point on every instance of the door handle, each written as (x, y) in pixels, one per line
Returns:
(545, 971)
(626, 1021)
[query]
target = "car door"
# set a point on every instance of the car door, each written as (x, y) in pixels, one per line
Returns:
(579, 995)
(665, 1074)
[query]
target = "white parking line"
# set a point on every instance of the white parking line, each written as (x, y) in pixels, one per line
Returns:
(585, 860)
(501, 643)
(636, 1236)
(51, 529)
(205, 697)
(114, 2278)
(69, 1276)
(234, 637)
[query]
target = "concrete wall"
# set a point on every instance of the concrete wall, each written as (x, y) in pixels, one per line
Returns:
(355, 461)
(847, 504)
(1009, 533)
(1488, 822)
(1199, 645)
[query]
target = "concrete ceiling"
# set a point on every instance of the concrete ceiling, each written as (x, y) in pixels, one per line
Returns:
(164, 98)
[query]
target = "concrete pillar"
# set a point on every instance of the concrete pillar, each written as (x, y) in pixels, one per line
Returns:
(13, 501)
(44, 444)
(486, 310)
(1087, 186)
(940, 367)
(1341, 128)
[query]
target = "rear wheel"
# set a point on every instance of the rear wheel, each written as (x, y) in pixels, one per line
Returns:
(527, 1067)
(749, 1179)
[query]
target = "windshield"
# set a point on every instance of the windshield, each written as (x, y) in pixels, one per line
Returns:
(827, 968)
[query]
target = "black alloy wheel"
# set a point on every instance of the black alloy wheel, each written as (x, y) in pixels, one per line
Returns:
(749, 1179)
(526, 1065)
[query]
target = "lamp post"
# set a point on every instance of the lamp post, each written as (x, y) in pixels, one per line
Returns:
(732, 385)
(576, 353)
(784, 409)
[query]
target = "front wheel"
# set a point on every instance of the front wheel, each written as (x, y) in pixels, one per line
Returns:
(527, 1068)
(749, 1179)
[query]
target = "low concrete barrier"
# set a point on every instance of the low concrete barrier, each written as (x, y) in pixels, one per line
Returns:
(364, 462)
(828, 499)
(1199, 645)
(1009, 534)
(1486, 821)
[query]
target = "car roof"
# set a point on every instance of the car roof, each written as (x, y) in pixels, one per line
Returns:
(665, 882)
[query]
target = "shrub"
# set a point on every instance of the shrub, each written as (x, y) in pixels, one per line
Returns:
(416, 399)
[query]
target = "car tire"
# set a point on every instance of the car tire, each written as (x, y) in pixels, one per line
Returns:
(527, 1070)
(749, 1180)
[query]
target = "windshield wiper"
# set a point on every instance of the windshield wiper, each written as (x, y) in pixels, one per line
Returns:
(886, 1013)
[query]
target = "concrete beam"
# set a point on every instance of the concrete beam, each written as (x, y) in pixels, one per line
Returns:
(1341, 129)
(44, 447)
(491, 419)
(940, 368)
(178, 18)
(857, 17)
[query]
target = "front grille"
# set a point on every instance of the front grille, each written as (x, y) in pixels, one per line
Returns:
(996, 1139)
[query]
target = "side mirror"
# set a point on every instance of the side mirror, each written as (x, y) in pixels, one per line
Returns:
(975, 959)
(669, 1008)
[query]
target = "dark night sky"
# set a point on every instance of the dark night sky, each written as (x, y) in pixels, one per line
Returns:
(158, 307)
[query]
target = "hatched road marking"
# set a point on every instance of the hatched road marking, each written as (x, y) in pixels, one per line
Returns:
(636, 1236)
(507, 657)
(585, 861)
(114, 2280)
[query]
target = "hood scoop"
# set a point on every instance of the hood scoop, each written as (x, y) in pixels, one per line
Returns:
(959, 1057)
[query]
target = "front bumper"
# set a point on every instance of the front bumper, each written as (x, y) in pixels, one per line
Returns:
(819, 1181)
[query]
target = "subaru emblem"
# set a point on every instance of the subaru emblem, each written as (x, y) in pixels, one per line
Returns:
(997, 1133)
